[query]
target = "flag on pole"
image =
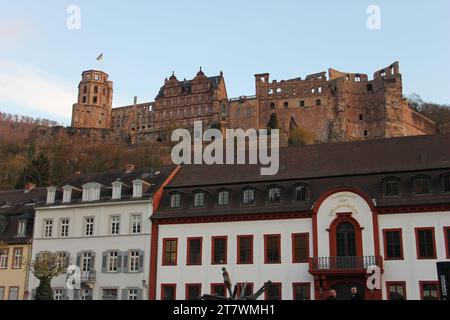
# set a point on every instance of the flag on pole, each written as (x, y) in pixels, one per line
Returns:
(100, 57)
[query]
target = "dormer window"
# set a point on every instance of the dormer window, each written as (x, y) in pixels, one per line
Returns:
(51, 194)
(91, 192)
(117, 190)
(391, 187)
(248, 196)
(223, 198)
(301, 193)
(445, 180)
(175, 200)
(137, 188)
(274, 194)
(21, 228)
(421, 185)
(67, 194)
(199, 199)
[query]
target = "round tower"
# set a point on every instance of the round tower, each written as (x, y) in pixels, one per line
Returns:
(93, 109)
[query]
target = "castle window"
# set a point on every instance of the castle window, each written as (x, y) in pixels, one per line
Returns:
(369, 87)
(446, 183)
(286, 105)
(85, 89)
(383, 74)
(95, 89)
(302, 103)
(278, 90)
(270, 92)
(313, 90)
(319, 89)
(301, 193)
(421, 185)
(84, 99)
(318, 102)
(96, 77)
(391, 187)
(366, 133)
(360, 117)
(94, 99)
(357, 78)
(272, 106)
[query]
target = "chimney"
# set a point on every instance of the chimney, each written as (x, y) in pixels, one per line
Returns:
(135, 100)
(29, 186)
(129, 168)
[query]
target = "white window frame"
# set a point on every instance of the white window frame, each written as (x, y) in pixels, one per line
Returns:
(64, 227)
(86, 261)
(17, 258)
(133, 260)
(138, 186)
(67, 194)
(175, 201)
(113, 261)
(136, 224)
(90, 224)
(4, 253)
(48, 228)
(115, 225)
(91, 192)
(58, 294)
(132, 293)
(117, 190)
(21, 228)
(51, 195)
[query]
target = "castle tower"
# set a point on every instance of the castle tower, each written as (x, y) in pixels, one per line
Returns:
(93, 109)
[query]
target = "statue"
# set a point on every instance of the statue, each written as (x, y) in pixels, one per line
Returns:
(238, 292)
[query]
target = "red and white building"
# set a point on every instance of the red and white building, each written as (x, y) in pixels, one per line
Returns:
(330, 212)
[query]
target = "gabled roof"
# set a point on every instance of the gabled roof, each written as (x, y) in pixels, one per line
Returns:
(186, 86)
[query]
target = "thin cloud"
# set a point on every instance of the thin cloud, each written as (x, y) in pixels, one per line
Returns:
(25, 86)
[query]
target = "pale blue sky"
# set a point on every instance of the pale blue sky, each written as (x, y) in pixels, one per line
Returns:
(143, 41)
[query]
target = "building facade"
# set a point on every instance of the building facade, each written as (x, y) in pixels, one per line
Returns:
(331, 212)
(100, 223)
(16, 231)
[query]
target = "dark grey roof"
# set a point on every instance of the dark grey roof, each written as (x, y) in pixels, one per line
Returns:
(154, 178)
(359, 165)
(15, 206)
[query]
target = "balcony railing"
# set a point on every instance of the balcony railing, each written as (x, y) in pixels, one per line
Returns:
(88, 276)
(343, 264)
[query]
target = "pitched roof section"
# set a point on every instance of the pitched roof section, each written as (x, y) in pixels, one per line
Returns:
(358, 165)
(331, 160)
(15, 206)
(186, 86)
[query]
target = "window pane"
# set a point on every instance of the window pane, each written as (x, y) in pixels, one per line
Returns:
(426, 245)
(393, 245)
(168, 292)
(301, 292)
(245, 250)
(396, 292)
(274, 292)
(430, 291)
(195, 255)
(301, 253)
(219, 247)
(170, 252)
(272, 249)
(193, 292)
